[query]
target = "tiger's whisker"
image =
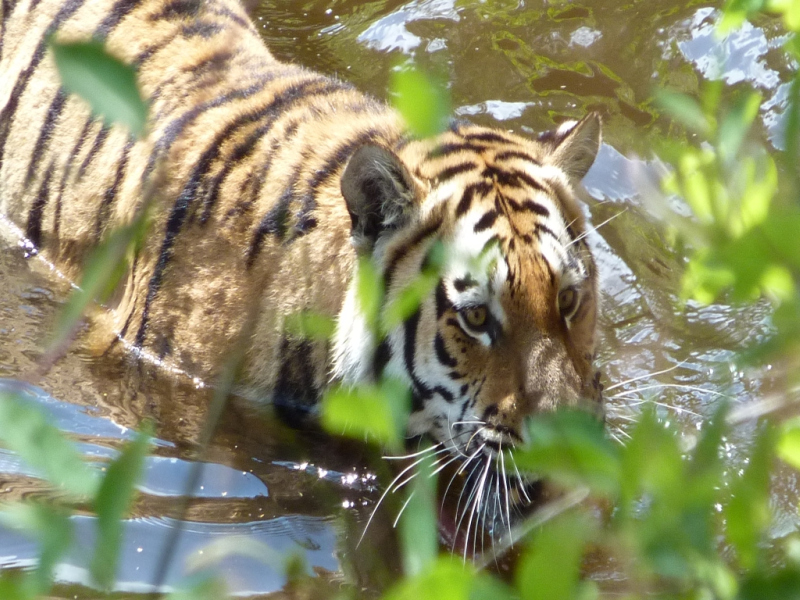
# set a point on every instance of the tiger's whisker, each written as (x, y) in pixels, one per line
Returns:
(590, 230)
(444, 466)
(405, 504)
(505, 485)
(454, 423)
(415, 473)
(453, 478)
(472, 491)
(646, 376)
(521, 480)
(481, 489)
(415, 454)
(656, 386)
(385, 493)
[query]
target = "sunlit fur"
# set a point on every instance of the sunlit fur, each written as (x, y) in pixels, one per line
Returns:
(271, 180)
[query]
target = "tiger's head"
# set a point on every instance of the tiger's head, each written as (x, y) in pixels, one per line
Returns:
(508, 328)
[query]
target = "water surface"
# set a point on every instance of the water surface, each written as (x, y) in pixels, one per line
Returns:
(520, 65)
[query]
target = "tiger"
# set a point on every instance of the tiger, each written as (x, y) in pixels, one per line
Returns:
(274, 183)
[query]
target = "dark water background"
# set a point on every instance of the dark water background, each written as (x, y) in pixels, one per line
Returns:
(521, 65)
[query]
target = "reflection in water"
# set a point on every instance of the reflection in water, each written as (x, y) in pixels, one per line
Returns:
(524, 66)
(144, 539)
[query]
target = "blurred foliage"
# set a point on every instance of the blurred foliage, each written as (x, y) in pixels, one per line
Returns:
(680, 525)
(107, 84)
(45, 448)
(422, 100)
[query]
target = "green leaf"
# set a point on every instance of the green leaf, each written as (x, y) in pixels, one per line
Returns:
(408, 301)
(369, 291)
(102, 272)
(106, 83)
(448, 579)
(418, 527)
(788, 446)
(550, 569)
(747, 513)
(736, 124)
(782, 584)
(735, 12)
(651, 462)
(683, 109)
(790, 9)
(25, 430)
(12, 586)
(200, 587)
(423, 102)
(376, 412)
(310, 325)
(572, 448)
(233, 546)
(112, 503)
(52, 529)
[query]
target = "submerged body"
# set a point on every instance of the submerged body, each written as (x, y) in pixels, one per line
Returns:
(272, 180)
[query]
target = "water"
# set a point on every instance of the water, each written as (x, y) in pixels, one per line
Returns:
(521, 65)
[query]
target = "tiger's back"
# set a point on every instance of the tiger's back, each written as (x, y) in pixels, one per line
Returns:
(271, 182)
(251, 148)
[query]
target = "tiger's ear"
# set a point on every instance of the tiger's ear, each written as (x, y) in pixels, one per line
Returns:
(575, 145)
(379, 193)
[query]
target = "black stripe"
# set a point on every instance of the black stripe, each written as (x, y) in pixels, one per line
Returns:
(45, 133)
(442, 301)
(444, 393)
(111, 192)
(77, 148)
(99, 140)
(10, 109)
(481, 188)
(178, 9)
(540, 229)
(224, 12)
(119, 11)
(149, 51)
(383, 353)
(488, 136)
(392, 263)
(486, 221)
(409, 351)
(466, 200)
(33, 228)
(571, 233)
(454, 148)
(274, 111)
(465, 283)
(177, 125)
(244, 206)
(65, 173)
(275, 222)
(305, 222)
(188, 195)
(203, 29)
(530, 181)
(7, 114)
(528, 206)
(510, 154)
(450, 172)
(442, 354)
(341, 156)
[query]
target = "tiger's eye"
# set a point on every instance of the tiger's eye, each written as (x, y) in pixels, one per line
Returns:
(475, 316)
(568, 302)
